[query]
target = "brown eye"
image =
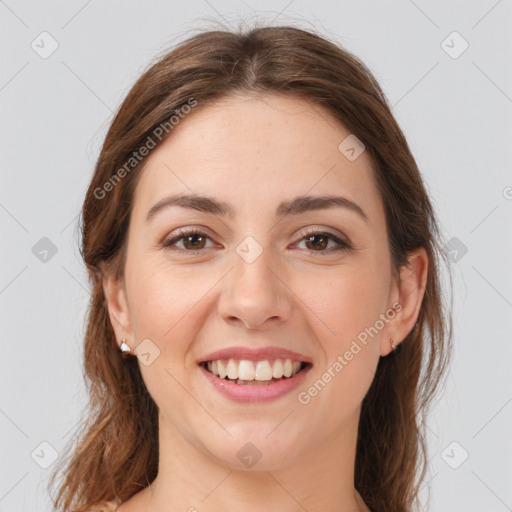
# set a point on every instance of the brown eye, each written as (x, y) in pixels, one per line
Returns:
(195, 241)
(317, 241)
(192, 240)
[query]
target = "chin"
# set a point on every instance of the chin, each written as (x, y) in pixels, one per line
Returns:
(257, 451)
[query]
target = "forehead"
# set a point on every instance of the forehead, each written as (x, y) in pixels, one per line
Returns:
(251, 150)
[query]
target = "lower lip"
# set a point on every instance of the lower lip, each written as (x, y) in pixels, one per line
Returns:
(256, 393)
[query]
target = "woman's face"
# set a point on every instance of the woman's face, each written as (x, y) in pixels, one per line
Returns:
(271, 269)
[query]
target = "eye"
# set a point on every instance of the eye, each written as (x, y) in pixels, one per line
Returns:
(193, 240)
(318, 242)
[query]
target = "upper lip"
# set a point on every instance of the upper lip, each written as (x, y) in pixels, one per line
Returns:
(253, 354)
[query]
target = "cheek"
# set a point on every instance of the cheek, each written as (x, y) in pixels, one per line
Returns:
(166, 302)
(164, 306)
(345, 301)
(346, 305)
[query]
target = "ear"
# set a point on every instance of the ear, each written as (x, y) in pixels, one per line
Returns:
(410, 290)
(118, 309)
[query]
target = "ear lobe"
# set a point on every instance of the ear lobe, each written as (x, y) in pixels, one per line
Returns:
(411, 290)
(118, 309)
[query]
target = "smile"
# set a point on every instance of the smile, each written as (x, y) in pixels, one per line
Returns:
(247, 372)
(254, 391)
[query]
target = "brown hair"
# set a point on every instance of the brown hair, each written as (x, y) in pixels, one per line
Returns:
(116, 454)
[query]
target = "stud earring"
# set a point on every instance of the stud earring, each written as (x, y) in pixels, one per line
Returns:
(392, 345)
(124, 346)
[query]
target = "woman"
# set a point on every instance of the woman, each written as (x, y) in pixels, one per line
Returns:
(266, 326)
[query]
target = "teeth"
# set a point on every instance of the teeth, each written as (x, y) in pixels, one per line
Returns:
(252, 382)
(222, 371)
(245, 370)
(263, 371)
(287, 368)
(232, 369)
(277, 370)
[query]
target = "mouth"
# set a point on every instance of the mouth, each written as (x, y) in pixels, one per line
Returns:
(246, 372)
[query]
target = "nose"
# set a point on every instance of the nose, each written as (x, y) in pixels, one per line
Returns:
(255, 294)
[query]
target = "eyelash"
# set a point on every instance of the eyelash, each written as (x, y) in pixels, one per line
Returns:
(342, 245)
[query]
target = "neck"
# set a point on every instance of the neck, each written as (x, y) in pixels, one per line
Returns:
(190, 479)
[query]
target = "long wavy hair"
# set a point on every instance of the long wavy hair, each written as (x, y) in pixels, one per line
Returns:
(115, 453)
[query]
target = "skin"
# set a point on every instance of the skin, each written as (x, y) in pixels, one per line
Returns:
(254, 152)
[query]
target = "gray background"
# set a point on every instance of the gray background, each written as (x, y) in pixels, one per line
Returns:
(455, 112)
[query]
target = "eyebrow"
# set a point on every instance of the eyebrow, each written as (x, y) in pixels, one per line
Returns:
(296, 206)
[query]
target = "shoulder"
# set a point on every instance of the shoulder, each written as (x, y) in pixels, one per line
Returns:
(106, 506)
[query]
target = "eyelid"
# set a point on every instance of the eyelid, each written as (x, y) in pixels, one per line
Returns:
(182, 233)
(343, 244)
(319, 230)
